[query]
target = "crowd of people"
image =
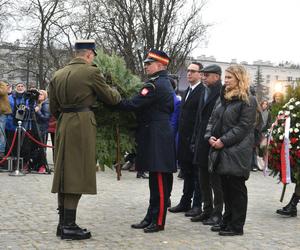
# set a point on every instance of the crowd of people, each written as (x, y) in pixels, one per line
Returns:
(31, 107)
(214, 134)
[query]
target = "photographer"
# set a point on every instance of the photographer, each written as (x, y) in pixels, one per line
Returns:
(18, 105)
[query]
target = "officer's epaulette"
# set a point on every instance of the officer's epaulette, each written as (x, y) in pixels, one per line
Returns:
(149, 85)
(151, 82)
(152, 79)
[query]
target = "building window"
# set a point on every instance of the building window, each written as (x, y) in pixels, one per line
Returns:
(290, 78)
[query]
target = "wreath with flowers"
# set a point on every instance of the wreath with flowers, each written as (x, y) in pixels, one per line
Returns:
(284, 142)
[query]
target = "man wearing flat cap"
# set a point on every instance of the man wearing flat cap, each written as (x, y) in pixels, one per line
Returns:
(209, 182)
(153, 106)
(72, 92)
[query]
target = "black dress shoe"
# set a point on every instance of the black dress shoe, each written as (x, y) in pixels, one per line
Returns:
(141, 225)
(179, 209)
(59, 228)
(193, 212)
(73, 232)
(211, 221)
(152, 228)
(218, 228)
(230, 232)
(200, 217)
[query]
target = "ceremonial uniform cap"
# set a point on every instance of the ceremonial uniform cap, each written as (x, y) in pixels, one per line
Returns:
(158, 56)
(86, 44)
(213, 68)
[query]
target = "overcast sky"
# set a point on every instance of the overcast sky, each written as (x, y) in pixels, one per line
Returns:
(248, 30)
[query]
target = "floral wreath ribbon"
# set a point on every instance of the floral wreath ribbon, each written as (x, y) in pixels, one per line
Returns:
(284, 152)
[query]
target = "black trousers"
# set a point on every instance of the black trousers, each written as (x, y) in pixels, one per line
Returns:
(191, 186)
(160, 185)
(211, 192)
(236, 200)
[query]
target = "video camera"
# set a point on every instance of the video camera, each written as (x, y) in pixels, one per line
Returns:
(32, 94)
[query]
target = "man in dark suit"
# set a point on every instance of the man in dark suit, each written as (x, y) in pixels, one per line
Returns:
(189, 105)
(212, 205)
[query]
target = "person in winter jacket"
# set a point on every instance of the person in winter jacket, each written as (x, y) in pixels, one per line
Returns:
(230, 132)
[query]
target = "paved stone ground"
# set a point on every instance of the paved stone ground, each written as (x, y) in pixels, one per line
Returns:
(28, 217)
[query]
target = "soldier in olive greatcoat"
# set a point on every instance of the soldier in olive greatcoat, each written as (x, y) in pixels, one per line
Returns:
(72, 91)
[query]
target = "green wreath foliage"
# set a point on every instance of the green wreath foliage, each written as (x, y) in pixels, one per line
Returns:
(112, 123)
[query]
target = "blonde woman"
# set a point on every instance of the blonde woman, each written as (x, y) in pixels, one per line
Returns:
(230, 133)
(42, 113)
(5, 109)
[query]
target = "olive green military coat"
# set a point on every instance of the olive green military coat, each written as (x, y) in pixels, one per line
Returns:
(77, 85)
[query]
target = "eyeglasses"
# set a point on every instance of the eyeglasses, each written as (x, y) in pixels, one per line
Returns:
(192, 71)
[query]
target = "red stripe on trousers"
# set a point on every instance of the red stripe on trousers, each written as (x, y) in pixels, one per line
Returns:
(161, 199)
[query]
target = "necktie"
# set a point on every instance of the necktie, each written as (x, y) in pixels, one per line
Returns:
(188, 93)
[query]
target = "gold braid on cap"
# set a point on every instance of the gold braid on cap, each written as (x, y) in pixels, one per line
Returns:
(159, 58)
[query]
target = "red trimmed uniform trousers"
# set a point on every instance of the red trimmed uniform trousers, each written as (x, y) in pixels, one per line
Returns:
(160, 185)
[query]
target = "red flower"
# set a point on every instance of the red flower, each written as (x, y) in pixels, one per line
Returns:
(297, 153)
(294, 140)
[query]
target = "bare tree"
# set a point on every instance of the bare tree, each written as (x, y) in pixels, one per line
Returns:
(5, 14)
(41, 12)
(131, 27)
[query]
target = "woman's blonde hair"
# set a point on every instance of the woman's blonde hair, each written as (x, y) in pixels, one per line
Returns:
(242, 89)
(44, 92)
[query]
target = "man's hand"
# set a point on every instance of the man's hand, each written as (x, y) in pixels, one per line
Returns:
(218, 144)
(212, 141)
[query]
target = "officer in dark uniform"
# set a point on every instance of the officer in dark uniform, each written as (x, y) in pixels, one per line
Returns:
(155, 141)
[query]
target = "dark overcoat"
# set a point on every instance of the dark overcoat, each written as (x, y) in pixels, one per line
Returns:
(77, 85)
(155, 140)
(187, 119)
(237, 135)
(201, 146)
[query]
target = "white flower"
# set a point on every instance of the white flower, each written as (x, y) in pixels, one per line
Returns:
(281, 137)
(280, 129)
(291, 107)
(280, 112)
(294, 115)
(287, 112)
(290, 146)
(297, 103)
(291, 130)
(296, 130)
(292, 100)
(274, 131)
(297, 124)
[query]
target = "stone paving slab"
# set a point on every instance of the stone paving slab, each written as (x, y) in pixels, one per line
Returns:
(28, 217)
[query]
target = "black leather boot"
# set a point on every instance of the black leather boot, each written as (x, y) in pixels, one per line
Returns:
(71, 231)
(60, 220)
(291, 208)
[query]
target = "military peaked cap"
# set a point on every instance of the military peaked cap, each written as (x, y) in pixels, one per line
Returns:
(86, 44)
(158, 56)
(213, 68)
